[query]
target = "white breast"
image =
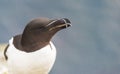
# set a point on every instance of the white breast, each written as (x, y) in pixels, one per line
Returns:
(38, 62)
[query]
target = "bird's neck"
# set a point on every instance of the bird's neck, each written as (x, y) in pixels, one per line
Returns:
(28, 44)
(33, 43)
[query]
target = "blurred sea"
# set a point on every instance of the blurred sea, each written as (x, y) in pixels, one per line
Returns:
(90, 46)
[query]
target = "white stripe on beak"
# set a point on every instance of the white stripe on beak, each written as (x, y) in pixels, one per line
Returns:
(66, 24)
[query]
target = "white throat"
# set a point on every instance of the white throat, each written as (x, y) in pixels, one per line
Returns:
(38, 62)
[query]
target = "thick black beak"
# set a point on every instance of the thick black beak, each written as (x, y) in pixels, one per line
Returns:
(66, 22)
(59, 23)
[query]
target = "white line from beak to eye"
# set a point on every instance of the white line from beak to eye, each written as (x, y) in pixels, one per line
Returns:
(52, 22)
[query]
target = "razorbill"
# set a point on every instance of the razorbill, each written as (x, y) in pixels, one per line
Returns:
(32, 52)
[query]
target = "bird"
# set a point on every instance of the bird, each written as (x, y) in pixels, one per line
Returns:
(32, 51)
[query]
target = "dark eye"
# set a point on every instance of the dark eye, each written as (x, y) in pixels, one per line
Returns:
(41, 27)
(38, 26)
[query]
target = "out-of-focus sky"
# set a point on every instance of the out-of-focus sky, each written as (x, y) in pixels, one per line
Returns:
(90, 46)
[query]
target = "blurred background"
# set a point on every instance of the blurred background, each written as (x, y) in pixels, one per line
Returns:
(90, 46)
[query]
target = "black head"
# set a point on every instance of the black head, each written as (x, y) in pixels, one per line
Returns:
(45, 25)
(39, 32)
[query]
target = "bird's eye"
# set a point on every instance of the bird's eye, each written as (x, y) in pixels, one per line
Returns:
(41, 27)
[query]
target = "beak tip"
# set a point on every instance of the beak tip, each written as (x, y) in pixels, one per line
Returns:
(67, 22)
(68, 25)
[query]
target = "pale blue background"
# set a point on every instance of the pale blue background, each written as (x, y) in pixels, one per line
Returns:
(90, 46)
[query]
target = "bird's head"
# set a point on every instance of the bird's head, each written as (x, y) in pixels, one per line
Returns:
(43, 29)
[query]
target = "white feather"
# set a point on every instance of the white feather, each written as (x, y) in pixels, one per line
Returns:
(38, 62)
